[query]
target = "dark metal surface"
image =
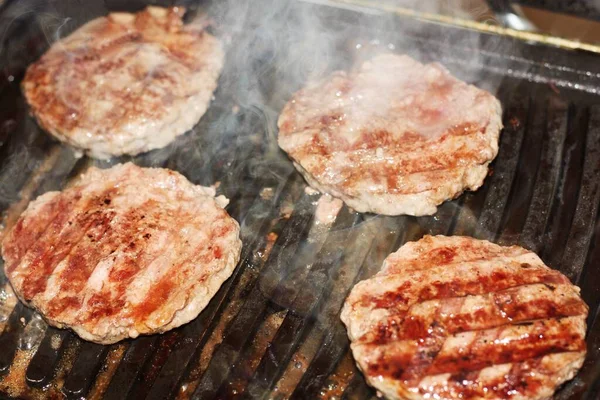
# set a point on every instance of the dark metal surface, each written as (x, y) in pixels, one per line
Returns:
(273, 329)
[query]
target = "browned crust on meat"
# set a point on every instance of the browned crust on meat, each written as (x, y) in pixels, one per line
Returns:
(64, 238)
(444, 312)
(104, 64)
(404, 154)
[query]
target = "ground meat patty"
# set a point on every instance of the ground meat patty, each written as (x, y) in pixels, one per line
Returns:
(459, 318)
(125, 83)
(395, 137)
(126, 251)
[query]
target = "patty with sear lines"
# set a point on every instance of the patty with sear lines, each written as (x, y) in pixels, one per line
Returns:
(395, 137)
(125, 83)
(125, 251)
(460, 318)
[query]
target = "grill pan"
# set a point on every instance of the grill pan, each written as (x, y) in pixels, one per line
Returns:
(273, 329)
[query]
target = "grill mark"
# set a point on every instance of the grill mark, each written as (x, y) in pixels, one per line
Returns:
(431, 344)
(105, 66)
(391, 181)
(406, 142)
(217, 252)
(410, 325)
(119, 109)
(429, 256)
(222, 230)
(52, 252)
(514, 310)
(440, 290)
(56, 112)
(380, 168)
(21, 240)
(487, 348)
(116, 43)
(83, 264)
(451, 256)
(115, 296)
(103, 305)
(516, 380)
(157, 296)
(332, 118)
(202, 253)
(441, 256)
(390, 368)
(464, 382)
(370, 139)
(42, 254)
(129, 266)
(390, 177)
(524, 378)
(182, 58)
(394, 178)
(410, 140)
(432, 348)
(538, 343)
(131, 244)
(132, 241)
(115, 300)
(43, 265)
(160, 292)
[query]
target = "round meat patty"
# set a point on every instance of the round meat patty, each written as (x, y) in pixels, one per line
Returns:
(460, 318)
(124, 252)
(125, 83)
(395, 137)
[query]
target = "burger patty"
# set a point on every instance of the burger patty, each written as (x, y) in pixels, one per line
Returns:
(125, 251)
(460, 318)
(395, 137)
(125, 83)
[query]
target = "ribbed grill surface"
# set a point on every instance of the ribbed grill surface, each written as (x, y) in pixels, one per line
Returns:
(273, 329)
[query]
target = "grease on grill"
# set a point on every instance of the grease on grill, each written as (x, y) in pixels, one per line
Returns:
(229, 313)
(14, 382)
(260, 345)
(264, 253)
(339, 380)
(107, 371)
(8, 300)
(297, 366)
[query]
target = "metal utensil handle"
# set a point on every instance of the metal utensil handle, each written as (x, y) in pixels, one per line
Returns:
(508, 17)
(589, 9)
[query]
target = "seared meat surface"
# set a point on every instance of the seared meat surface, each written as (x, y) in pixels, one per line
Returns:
(460, 318)
(126, 251)
(395, 137)
(125, 83)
